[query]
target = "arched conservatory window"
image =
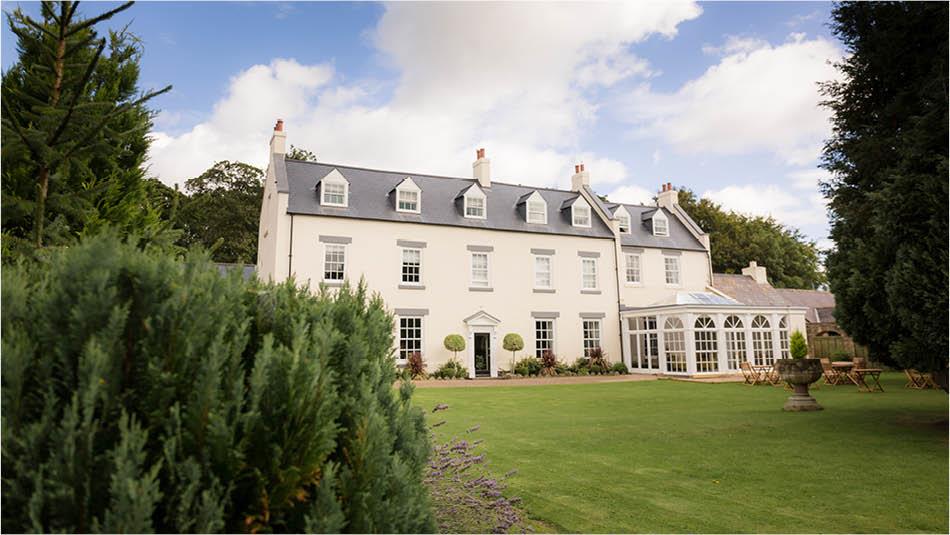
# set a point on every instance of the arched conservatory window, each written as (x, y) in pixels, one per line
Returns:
(674, 342)
(707, 350)
(783, 336)
(735, 342)
(762, 341)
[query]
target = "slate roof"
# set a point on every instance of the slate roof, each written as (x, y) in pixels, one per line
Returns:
(745, 290)
(641, 235)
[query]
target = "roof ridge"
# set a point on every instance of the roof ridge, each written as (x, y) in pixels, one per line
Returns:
(426, 175)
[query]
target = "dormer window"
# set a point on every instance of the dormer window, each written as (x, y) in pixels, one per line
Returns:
(536, 209)
(334, 190)
(408, 197)
(660, 225)
(623, 220)
(580, 214)
(475, 203)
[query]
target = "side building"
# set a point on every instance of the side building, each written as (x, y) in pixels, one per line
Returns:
(473, 256)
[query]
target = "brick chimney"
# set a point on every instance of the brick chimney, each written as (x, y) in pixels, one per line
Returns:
(756, 271)
(581, 178)
(481, 169)
(667, 196)
(278, 141)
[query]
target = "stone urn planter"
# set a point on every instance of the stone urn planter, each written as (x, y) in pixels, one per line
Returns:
(800, 373)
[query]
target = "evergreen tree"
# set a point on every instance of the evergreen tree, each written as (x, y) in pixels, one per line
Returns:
(142, 393)
(888, 193)
(74, 128)
(792, 260)
(222, 211)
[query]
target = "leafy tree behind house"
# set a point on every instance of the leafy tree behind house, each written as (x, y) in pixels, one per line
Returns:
(792, 260)
(888, 192)
(222, 211)
(75, 129)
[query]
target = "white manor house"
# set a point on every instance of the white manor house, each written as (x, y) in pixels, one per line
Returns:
(471, 256)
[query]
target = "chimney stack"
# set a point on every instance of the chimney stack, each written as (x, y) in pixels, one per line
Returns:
(667, 196)
(580, 179)
(757, 272)
(481, 169)
(278, 142)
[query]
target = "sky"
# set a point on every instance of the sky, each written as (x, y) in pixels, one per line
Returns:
(721, 98)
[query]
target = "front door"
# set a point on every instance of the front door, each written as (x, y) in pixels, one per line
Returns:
(482, 348)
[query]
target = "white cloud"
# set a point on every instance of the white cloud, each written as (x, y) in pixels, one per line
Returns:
(631, 195)
(510, 77)
(796, 208)
(758, 97)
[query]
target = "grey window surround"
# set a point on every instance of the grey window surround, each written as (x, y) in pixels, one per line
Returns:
(667, 252)
(480, 289)
(335, 239)
(545, 290)
(332, 284)
(411, 311)
(542, 251)
(593, 315)
(591, 292)
(481, 248)
(412, 287)
(411, 244)
(633, 250)
(588, 254)
(545, 315)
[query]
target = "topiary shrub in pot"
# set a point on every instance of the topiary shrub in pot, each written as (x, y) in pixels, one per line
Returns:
(799, 372)
(512, 342)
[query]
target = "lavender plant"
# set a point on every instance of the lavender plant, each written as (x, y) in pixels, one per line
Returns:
(465, 496)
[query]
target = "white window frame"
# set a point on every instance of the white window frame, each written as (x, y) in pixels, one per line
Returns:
(679, 271)
(588, 326)
(326, 251)
(399, 338)
(550, 342)
(402, 266)
(541, 207)
(620, 225)
(660, 217)
(627, 269)
(585, 261)
(417, 201)
(475, 193)
(334, 182)
(534, 264)
(583, 206)
(479, 283)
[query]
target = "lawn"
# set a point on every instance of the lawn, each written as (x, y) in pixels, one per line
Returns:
(667, 456)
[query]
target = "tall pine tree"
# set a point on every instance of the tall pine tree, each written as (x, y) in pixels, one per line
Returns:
(888, 193)
(75, 128)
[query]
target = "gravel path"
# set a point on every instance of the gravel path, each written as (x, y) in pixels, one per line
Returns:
(531, 381)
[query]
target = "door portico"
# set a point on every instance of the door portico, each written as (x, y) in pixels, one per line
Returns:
(483, 324)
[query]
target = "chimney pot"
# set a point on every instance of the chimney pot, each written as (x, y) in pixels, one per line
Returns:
(582, 167)
(669, 186)
(279, 127)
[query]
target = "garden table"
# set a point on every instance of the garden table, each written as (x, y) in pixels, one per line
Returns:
(843, 371)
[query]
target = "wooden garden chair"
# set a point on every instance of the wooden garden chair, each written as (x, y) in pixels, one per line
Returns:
(750, 376)
(772, 377)
(918, 380)
(828, 372)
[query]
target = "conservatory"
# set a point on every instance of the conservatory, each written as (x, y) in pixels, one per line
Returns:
(705, 334)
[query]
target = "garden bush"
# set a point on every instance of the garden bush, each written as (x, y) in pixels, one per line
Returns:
(451, 369)
(620, 368)
(454, 343)
(548, 362)
(416, 366)
(598, 357)
(797, 347)
(528, 366)
(142, 393)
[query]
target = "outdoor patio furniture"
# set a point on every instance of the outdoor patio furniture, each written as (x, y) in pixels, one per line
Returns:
(918, 380)
(860, 377)
(842, 372)
(762, 373)
(831, 377)
(751, 376)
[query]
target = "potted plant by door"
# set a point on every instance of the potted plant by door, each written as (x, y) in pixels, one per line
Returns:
(799, 372)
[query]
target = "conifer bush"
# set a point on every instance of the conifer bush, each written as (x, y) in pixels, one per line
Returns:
(143, 393)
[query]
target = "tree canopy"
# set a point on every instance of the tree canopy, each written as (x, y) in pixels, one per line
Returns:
(791, 259)
(75, 128)
(888, 192)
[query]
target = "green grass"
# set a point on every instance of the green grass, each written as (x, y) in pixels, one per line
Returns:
(666, 456)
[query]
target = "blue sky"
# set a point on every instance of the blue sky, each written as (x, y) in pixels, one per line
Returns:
(717, 97)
